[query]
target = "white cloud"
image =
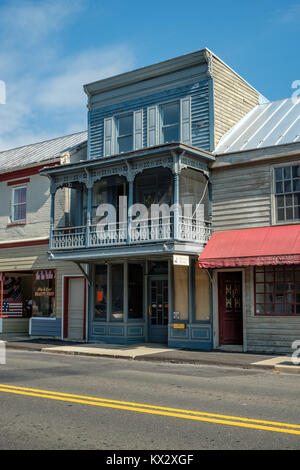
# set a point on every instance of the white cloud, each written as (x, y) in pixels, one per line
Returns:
(31, 21)
(45, 96)
(66, 88)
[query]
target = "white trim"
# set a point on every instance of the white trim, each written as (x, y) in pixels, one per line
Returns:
(273, 194)
(13, 189)
(25, 240)
(1, 325)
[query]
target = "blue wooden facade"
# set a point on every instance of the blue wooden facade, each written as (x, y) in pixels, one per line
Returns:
(143, 96)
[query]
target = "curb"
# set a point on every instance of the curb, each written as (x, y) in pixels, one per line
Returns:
(290, 369)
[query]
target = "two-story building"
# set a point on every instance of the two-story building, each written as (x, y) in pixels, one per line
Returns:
(254, 254)
(30, 290)
(151, 137)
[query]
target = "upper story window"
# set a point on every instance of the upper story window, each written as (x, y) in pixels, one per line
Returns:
(124, 126)
(18, 209)
(163, 123)
(123, 133)
(170, 122)
(287, 193)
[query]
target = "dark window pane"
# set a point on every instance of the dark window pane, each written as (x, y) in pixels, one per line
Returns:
(260, 309)
(289, 200)
(171, 134)
(100, 308)
(287, 172)
(279, 188)
(125, 144)
(170, 114)
(278, 174)
(117, 275)
(280, 201)
(289, 309)
(135, 291)
(126, 125)
(296, 171)
(287, 186)
(280, 214)
(289, 213)
(296, 184)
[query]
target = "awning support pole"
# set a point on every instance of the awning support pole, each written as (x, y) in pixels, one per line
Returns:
(83, 272)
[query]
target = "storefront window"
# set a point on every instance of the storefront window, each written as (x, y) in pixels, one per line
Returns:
(181, 291)
(277, 290)
(43, 304)
(100, 307)
(135, 291)
(117, 277)
(202, 295)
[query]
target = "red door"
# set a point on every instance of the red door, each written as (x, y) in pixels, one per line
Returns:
(230, 308)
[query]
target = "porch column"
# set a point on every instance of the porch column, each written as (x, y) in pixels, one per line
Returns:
(125, 290)
(88, 216)
(176, 165)
(130, 203)
(52, 216)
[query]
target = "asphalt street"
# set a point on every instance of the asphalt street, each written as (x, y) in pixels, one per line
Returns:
(50, 401)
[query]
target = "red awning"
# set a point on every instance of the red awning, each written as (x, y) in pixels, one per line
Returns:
(252, 247)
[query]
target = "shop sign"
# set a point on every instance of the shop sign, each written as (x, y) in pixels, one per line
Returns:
(44, 292)
(181, 260)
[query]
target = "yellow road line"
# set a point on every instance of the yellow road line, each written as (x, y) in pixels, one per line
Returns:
(141, 405)
(68, 398)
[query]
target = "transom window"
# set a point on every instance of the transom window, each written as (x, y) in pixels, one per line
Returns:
(170, 122)
(125, 133)
(277, 290)
(287, 193)
(18, 212)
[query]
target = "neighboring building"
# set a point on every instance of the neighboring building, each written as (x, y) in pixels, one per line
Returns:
(254, 253)
(30, 289)
(151, 135)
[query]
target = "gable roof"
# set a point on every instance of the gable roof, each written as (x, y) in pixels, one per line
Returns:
(267, 125)
(21, 157)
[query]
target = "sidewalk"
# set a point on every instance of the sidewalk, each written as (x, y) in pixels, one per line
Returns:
(155, 352)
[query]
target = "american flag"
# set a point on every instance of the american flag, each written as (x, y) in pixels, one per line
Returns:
(12, 309)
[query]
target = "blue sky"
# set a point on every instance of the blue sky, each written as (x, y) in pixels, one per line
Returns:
(50, 48)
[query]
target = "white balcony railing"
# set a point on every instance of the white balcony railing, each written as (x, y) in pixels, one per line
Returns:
(135, 232)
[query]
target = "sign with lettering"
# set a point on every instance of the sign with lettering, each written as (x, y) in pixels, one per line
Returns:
(181, 260)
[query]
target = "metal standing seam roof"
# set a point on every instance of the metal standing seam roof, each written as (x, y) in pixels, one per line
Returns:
(32, 154)
(266, 125)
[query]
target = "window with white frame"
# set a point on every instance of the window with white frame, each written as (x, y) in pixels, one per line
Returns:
(123, 133)
(170, 122)
(124, 126)
(287, 193)
(18, 207)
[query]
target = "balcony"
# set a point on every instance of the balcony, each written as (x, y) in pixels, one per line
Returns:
(135, 233)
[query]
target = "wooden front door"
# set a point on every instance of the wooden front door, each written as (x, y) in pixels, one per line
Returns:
(74, 311)
(230, 308)
(158, 310)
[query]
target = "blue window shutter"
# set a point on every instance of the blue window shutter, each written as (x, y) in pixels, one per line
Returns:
(108, 145)
(138, 129)
(152, 126)
(185, 113)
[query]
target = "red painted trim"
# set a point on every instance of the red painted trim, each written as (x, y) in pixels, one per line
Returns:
(23, 181)
(66, 305)
(13, 224)
(26, 172)
(21, 244)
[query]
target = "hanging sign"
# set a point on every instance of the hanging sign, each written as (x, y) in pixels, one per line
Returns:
(181, 260)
